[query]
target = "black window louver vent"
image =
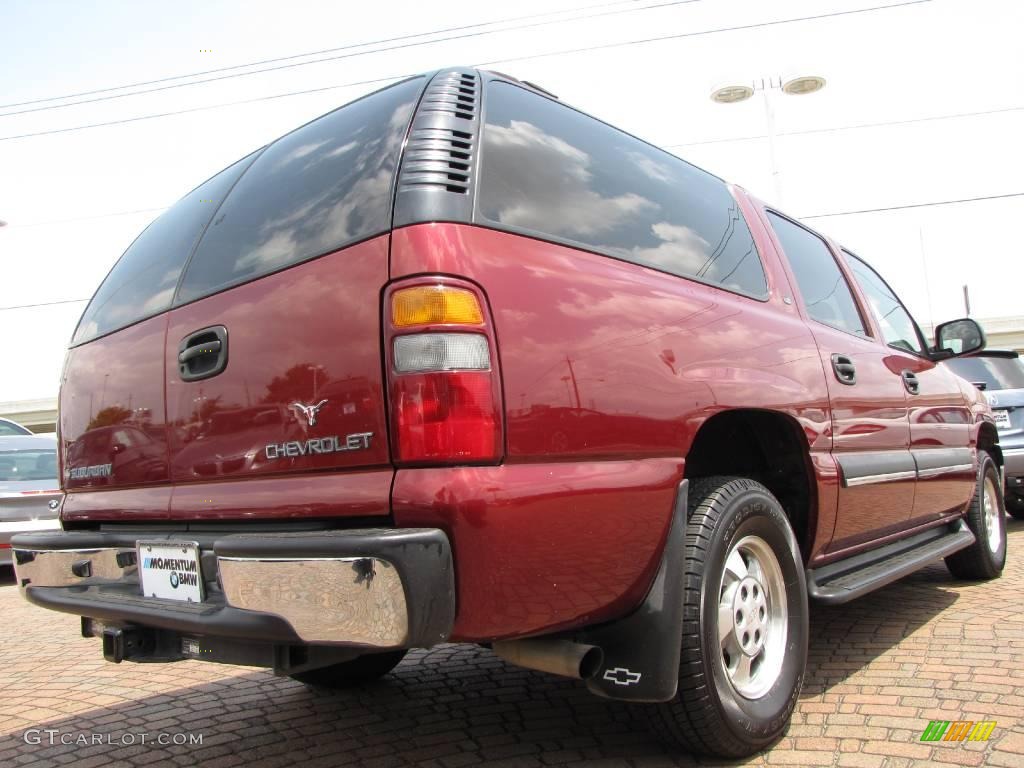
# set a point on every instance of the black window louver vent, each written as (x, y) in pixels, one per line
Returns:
(439, 153)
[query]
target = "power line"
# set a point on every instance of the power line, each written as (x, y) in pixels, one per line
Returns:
(44, 304)
(682, 35)
(832, 129)
(816, 216)
(855, 126)
(373, 81)
(312, 53)
(605, 46)
(915, 205)
(359, 53)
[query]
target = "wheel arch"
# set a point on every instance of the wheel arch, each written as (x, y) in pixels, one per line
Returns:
(767, 446)
(988, 440)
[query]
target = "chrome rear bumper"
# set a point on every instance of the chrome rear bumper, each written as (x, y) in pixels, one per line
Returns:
(376, 588)
(1014, 462)
(360, 600)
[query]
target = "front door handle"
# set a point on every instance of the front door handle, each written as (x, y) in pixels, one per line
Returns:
(910, 381)
(203, 353)
(845, 370)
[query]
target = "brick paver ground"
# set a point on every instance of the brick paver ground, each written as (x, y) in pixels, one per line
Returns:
(928, 647)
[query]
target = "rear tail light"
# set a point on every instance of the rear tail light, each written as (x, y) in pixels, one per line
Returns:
(443, 382)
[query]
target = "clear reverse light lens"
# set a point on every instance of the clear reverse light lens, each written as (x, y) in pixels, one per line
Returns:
(427, 352)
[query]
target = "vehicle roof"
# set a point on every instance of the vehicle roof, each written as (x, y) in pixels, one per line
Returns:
(27, 442)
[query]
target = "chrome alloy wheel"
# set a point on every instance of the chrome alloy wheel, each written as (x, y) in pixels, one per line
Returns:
(993, 515)
(752, 617)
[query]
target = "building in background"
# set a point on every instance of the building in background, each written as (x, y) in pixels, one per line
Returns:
(38, 415)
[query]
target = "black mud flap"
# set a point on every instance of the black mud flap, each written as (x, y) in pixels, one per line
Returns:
(641, 652)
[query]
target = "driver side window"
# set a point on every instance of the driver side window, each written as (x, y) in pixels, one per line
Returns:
(898, 327)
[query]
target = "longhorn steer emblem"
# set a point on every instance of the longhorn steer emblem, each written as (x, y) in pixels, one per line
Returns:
(310, 411)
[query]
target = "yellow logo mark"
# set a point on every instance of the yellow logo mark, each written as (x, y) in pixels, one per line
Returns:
(958, 730)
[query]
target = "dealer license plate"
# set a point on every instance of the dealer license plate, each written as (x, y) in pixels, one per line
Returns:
(170, 569)
(1002, 419)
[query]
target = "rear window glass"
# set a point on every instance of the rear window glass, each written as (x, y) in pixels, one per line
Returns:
(142, 282)
(550, 170)
(28, 464)
(320, 187)
(7, 429)
(994, 372)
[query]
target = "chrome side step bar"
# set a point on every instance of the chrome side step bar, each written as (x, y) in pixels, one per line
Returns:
(852, 577)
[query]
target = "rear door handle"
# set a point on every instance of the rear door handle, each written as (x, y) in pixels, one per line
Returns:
(910, 381)
(203, 353)
(205, 348)
(845, 370)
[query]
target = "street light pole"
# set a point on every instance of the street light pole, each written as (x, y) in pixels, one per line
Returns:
(798, 86)
(769, 121)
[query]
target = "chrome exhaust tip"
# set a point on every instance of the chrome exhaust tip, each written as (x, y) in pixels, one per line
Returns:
(558, 657)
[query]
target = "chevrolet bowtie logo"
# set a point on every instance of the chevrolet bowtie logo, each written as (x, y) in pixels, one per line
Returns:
(622, 676)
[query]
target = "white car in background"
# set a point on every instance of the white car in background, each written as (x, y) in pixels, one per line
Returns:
(29, 487)
(9, 428)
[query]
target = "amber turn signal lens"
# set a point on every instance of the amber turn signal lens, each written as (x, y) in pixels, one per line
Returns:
(435, 305)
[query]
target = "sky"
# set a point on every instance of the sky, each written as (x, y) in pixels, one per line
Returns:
(924, 103)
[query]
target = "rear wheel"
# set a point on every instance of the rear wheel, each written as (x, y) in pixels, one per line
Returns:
(744, 644)
(985, 558)
(347, 674)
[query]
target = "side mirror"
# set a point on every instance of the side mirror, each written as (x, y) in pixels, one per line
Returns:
(958, 337)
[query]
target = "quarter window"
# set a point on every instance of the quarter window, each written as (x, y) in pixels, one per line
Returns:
(557, 173)
(826, 293)
(898, 328)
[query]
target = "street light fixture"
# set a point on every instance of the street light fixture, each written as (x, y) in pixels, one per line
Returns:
(796, 86)
(799, 86)
(730, 94)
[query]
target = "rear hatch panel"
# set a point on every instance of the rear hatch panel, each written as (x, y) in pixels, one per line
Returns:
(302, 390)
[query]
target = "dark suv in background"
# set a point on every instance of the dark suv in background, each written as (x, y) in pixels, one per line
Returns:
(1000, 375)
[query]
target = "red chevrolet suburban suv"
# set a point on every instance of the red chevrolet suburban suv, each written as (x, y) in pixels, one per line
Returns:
(457, 362)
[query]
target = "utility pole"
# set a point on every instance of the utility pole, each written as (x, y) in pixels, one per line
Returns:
(575, 388)
(967, 301)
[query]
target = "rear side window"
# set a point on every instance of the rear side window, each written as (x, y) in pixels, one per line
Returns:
(898, 328)
(142, 282)
(826, 293)
(320, 187)
(554, 172)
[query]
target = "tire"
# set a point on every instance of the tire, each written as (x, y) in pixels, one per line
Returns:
(349, 674)
(1015, 506)
(717, 709)
(985, 558)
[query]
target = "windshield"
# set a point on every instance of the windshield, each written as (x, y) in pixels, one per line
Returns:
(28, 464)
(994, 372)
